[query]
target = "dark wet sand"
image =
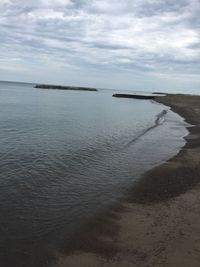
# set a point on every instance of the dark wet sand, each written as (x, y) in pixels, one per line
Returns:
(158, 222)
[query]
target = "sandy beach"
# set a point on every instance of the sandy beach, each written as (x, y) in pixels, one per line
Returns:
(158, 222)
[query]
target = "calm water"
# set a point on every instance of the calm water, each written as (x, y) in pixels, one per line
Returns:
(65, 155)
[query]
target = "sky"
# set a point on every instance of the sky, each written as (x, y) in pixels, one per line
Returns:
(147, 45)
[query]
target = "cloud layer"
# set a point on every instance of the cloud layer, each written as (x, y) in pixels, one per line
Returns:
(89, 41)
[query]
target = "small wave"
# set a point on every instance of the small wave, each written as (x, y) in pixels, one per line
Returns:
(160, 119)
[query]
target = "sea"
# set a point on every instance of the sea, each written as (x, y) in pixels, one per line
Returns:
(65, 156)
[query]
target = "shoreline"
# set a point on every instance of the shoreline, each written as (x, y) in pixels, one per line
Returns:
(157, 224)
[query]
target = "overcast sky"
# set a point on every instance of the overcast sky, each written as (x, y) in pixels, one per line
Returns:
(125, 44)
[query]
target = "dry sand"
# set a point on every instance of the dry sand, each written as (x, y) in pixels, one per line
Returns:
(158, 224)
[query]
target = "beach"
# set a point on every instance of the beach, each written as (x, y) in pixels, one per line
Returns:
(157, 222)
(63, 167)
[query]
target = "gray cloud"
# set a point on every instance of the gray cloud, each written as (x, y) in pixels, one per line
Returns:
(154, 37)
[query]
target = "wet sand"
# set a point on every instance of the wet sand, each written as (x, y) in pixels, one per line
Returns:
(158, 222)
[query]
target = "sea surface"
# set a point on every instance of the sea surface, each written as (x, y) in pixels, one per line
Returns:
(67, 155)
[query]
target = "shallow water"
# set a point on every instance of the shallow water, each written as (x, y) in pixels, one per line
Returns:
(65, 155)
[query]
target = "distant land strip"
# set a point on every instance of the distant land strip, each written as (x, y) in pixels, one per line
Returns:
(159, 93)
(134, 96)
(60, 87)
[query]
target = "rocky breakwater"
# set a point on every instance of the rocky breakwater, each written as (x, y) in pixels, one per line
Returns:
(144, 97)
(60, 87)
